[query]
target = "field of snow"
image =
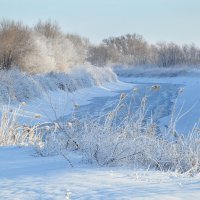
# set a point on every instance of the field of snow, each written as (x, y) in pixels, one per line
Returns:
(24, 174)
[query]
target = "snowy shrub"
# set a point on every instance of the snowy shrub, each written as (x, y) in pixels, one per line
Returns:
(17, 86)
(20, 86)
(121, 137)
(83, 76)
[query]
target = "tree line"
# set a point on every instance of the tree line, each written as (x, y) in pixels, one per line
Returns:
(45, 47)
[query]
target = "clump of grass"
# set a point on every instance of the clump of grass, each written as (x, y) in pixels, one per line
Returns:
(12, 133)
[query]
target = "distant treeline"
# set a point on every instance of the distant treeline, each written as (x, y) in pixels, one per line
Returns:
(132, 49)
(45, 47)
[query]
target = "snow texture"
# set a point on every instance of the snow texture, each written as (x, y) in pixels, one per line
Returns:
(17, 86)
(25, 175)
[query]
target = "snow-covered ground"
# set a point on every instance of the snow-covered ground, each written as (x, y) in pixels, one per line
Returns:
(26, 175)
(55, 104)
(187, 101)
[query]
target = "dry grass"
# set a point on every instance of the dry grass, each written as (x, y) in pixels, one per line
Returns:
(12, 133)
(134, 140)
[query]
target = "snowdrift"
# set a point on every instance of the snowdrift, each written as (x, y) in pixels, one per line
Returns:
(16, 86)
(154, 71)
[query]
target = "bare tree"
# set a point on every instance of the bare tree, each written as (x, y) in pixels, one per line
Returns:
(98, 55)
(46, 48)
(169, 54)
(49, 28)
(129, 49)
(15, 43)
(191, 54)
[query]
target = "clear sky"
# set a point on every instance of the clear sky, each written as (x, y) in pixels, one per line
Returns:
(156, 20)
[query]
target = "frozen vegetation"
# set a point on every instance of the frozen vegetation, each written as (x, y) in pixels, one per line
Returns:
(19, 86)
(45, 48)
(70, 129)
(123, 152)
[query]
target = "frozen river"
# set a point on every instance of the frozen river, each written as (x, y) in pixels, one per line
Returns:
(159, 102)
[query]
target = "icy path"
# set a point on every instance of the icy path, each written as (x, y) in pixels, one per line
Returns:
(26, 176)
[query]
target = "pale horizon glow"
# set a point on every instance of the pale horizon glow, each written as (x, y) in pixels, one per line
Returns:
(156, 20)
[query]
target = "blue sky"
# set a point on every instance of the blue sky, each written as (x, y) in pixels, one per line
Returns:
(156, 20)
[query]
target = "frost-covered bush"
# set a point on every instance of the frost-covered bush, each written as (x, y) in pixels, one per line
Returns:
(21, 86)
(131, 139)
(79, 77)
(17, 86)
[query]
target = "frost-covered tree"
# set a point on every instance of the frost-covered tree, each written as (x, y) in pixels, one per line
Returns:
(60, 51)
(81, 46)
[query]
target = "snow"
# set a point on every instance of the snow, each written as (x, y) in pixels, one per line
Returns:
(56, 104)
(25, 175)
(16, 86)
(188, 101)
